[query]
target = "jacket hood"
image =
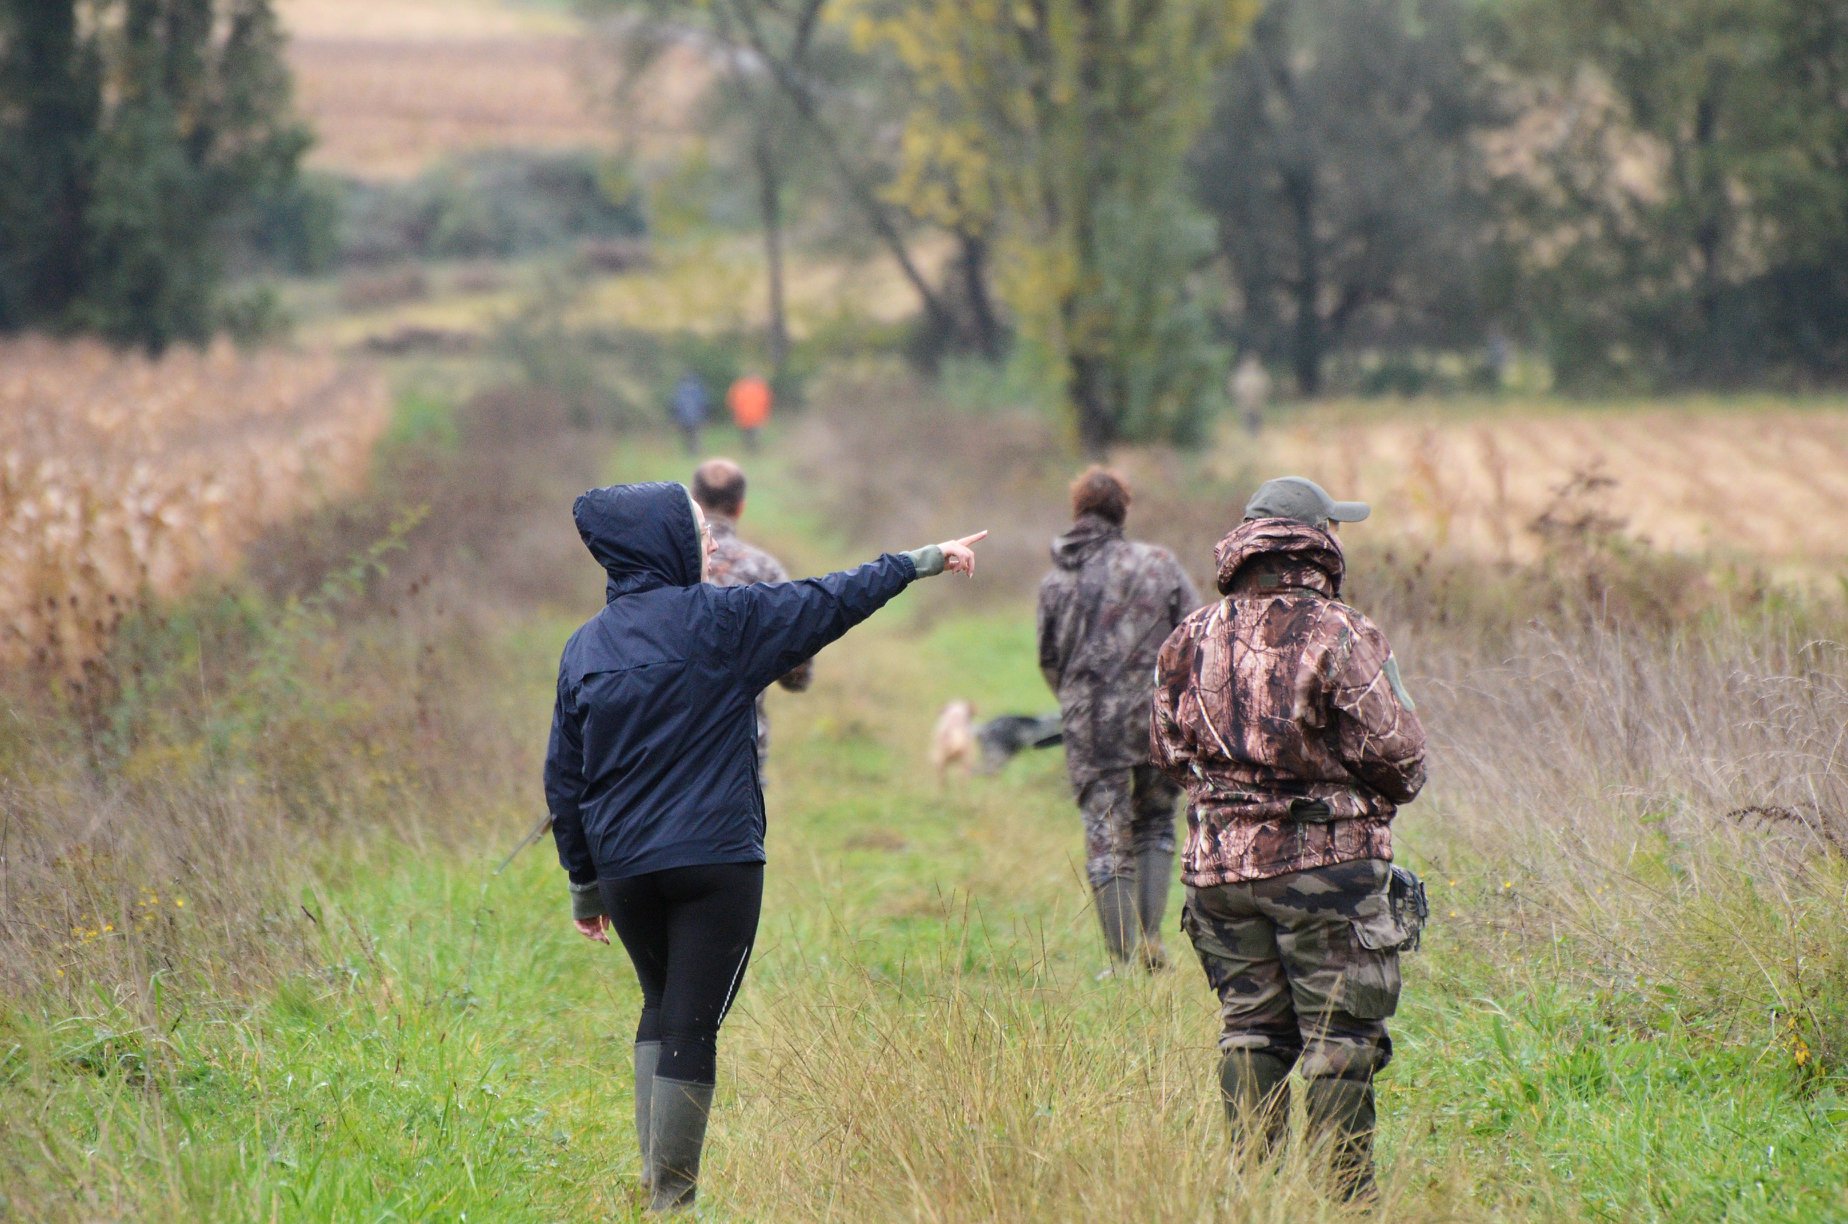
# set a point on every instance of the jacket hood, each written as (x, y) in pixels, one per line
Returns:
(643, 535)
(1286, 540)
(1090, 533)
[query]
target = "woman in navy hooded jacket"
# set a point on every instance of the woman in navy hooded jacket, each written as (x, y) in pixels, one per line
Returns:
(651, 778)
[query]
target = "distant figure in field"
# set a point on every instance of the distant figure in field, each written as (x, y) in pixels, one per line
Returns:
(718, 487)
(1498, 356)
(1280, 709)
(1104, 611)
(690, 407)
(750, 400)
(1250, 389)
(652, 786)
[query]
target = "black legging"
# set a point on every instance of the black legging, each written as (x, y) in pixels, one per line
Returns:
(689, 932)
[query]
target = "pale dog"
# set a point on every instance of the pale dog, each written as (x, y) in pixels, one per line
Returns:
(952, 742)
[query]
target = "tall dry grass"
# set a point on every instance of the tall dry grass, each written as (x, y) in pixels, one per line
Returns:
(123, 477)
(1669, 805)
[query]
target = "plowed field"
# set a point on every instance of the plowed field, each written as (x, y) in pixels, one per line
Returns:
(1759, 482)
(392, 87)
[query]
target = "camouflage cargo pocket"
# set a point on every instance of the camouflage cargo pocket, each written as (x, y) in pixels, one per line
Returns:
(1370, 985)
(1208, 940)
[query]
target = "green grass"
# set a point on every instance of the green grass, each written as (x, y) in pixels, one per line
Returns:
(461, 1053)
(920, 1035)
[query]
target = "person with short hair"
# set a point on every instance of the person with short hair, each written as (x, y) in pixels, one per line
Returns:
(1104, 611)
(1282, 712)
(652, 785)
(719, 487)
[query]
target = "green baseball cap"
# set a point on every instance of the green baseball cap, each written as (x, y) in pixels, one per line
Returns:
(1302, 499)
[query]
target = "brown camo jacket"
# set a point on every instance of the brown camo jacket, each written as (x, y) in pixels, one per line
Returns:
(1277, 697)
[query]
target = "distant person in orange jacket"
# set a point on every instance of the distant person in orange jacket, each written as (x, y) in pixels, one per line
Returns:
(749, 400)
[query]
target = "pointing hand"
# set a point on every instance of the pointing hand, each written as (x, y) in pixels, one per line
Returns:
(959, 555)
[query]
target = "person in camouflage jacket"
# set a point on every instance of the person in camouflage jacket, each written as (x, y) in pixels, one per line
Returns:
(718, 487)
(1103, 613)
(1281, 711)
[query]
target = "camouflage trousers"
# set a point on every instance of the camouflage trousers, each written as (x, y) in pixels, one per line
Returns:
(1306, 965)
(1126, 811)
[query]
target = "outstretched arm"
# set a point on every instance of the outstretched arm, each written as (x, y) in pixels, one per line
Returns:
(771, 627)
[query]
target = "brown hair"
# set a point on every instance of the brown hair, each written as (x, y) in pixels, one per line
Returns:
(718, 486)
(1100, 491)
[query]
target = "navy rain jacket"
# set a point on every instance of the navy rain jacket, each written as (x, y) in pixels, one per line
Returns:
(653, 757)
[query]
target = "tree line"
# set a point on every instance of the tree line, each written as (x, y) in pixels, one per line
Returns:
(1121, 195)
(1642, 194)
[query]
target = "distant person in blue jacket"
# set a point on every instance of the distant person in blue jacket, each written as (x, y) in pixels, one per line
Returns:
(690, 406)
(651, 778)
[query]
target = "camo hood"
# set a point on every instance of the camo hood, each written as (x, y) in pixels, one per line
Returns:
(1104, 611)
(1287, 549)
(1090, 534)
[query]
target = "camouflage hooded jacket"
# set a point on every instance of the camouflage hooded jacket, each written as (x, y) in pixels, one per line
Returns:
(1281, 711)
(1103, 612)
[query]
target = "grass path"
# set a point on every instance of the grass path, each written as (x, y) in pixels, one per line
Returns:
(920, 1036)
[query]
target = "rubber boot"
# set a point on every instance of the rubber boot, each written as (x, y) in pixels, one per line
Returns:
(1256, 1088)
(1116, 909)
(677, 1132)
(1341, 1115)
(647, 1057)
(1154, 872)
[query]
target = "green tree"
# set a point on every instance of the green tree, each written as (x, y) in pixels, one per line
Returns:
(1690, 216)
(1061, 128)
(1343, 166)
(792, 103)
(151, 126)
(50, 97)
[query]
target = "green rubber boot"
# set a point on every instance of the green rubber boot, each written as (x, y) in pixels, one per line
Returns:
(677, 1115)
(1116, 910)
(1256, 1087)
(1154, 872)
(1341, 1115)
(647, 1057)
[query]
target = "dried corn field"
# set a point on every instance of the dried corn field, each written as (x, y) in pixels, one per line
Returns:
(1759, 483)
(121, 475)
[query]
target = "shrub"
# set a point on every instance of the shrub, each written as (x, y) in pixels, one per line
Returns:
(492, 204)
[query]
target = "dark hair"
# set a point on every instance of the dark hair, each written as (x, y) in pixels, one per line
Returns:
(718, 486)
(1100, 491)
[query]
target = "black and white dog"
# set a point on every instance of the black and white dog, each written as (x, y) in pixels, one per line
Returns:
(1001, 738)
